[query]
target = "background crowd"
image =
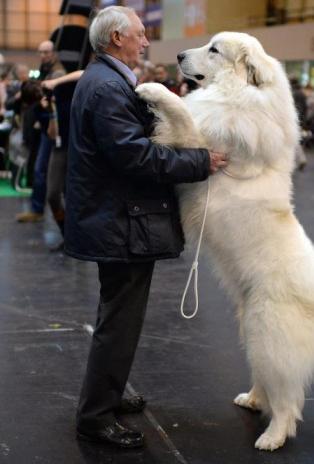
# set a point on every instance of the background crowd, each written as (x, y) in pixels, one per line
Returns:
(34, 126)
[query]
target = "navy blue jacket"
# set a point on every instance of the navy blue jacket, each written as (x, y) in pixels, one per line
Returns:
(120, 201)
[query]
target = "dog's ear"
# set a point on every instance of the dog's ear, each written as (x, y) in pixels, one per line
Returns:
(259, 65)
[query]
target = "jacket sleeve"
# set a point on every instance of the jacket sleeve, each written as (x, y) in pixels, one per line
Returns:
(121, 138)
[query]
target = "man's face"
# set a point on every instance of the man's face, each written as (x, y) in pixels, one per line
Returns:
(161, 74)
(133, 42)
(22, 73)
(45, 51)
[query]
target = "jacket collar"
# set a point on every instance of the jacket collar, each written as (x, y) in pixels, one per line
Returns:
(104, 58)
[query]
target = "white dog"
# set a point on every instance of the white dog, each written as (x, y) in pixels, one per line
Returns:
(261, 253)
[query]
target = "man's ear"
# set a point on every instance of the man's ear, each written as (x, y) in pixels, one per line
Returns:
(259, 65)
(116, 38)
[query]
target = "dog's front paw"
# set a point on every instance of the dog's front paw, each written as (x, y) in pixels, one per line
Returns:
(152, 92)
(267, 442)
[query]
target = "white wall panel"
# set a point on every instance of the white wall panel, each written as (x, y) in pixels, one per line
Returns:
(289, 42)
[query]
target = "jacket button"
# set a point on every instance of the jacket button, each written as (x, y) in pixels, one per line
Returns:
(165, 205)
(136, 208)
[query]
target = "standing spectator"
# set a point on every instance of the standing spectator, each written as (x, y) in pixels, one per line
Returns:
(50, 68)
(148, 73)
(13, 101)
(162, 76)
(145, 72)
(299, 100)
(63, 88)
(309, 94)
(58, 129)
(31, 96)
(5, 80)
(301, 107)
(13, 96)
(121, 212)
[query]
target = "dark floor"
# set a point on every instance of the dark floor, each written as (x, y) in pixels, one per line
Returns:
(188, 370)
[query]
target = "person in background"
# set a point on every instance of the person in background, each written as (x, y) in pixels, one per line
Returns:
(162, 76)
(50, 68)
(309, 95)
(13, 101)
(31, 97)
(301, 107)
(5, 81)
(145, 72)
(121, 213)
(148, 74)
(58, 130)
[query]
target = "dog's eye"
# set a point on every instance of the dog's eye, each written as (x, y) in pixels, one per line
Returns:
(213, 50)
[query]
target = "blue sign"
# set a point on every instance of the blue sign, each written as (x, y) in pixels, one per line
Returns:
(105, 3)
(153, 15)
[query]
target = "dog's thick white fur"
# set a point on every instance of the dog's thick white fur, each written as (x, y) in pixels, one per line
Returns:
(261, 253)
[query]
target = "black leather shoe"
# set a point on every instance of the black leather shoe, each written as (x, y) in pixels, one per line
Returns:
(115, 434)
(131, 405)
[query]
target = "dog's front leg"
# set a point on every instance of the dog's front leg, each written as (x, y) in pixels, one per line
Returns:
(175, 125)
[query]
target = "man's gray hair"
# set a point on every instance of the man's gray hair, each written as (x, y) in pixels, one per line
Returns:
(108, 20)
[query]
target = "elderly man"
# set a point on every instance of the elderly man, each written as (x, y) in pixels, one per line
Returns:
(121, 213)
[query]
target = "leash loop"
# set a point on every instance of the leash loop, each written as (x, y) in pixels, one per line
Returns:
(194, 267)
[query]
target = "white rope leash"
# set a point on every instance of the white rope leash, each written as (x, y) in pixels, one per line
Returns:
(194, 268)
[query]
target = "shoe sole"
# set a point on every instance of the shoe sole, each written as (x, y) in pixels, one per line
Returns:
(103, 441)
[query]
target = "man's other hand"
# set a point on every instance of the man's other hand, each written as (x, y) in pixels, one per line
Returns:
(217, 161)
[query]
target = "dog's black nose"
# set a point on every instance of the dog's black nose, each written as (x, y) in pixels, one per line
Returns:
(180, 57)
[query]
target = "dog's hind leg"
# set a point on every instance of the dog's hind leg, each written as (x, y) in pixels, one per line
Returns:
(286, 401)
(285, 394)
(279, 367)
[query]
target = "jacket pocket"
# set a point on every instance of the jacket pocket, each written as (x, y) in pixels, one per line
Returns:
(151, 227)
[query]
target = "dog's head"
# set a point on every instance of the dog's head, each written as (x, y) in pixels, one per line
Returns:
(232, 51)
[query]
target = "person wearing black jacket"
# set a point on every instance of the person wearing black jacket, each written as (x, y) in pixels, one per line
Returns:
(121, 213)
(50, 68)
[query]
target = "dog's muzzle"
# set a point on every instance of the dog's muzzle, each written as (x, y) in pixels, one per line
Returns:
(180, 57)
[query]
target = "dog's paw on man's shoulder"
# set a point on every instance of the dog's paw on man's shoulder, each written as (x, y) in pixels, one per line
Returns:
(152, 92)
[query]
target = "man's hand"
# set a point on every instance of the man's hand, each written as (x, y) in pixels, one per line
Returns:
(49, 84)
(217, 161)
